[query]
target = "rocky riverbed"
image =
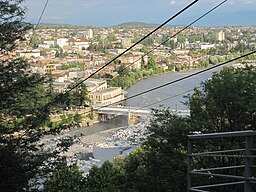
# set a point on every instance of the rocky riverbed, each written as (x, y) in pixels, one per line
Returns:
(96, 148)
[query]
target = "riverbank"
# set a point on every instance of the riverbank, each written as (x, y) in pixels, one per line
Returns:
(98, 147)
(100, 142)
(169, 95)
(104, 140)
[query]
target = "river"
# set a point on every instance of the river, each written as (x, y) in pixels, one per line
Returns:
(107, 139)
(175, 102)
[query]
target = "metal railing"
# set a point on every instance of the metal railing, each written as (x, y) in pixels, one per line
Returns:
(246, 155)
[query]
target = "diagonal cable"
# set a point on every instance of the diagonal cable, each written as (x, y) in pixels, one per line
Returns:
(174, 35)
(39, 20)
(146, 36)
(180, 79)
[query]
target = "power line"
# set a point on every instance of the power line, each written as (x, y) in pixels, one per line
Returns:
(191, 75)
(168, 98)
(182, 78)
(39, 20)
(60, 96)
(157, 28)
(199, 18)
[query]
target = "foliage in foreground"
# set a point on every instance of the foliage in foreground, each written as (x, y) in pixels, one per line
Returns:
(24, 110)
(225, 103)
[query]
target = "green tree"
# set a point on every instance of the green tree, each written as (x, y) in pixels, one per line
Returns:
(12, 27)
(152, 62)
(78, 96)
(226, 102)
(78, 118)
(123, 70)
(104, 179)
(24, 109)
(65, 179)
(161, 164)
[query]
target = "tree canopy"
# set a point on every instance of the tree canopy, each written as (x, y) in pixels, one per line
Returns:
(226, 102)
(12, 27)
(24, 109)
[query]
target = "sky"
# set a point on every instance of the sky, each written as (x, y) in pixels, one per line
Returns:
(113, 12)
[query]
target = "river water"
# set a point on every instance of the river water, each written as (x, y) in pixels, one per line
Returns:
(152, 97)
(166, 96)
(96, 135)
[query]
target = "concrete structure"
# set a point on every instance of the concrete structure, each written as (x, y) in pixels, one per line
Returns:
(220, 36)
(126, 42)
(132, 113)
(28, 53)
(62, 42)
(106, 96)
(89, 34)
(126, 110)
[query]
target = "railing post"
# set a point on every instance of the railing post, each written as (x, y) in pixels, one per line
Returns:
(189, 163)
(248, 171)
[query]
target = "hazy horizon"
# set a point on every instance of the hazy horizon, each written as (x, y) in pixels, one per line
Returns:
(102, 13)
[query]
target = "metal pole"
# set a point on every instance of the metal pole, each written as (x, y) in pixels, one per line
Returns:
(248, 171)
(189, 163)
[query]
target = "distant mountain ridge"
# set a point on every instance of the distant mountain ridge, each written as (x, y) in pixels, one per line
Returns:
(240, 18)
(135, 24)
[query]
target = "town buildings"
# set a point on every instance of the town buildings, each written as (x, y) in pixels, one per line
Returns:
(98, 92)
(77, 52)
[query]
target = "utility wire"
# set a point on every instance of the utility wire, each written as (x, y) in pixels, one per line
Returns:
(157, 28)
(39, 20)
(45, 108)
(199, 18)
(168, 98)
(180, 79)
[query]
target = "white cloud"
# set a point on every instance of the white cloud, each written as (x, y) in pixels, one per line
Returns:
(172, 2)
(248, 1)
(237, 2)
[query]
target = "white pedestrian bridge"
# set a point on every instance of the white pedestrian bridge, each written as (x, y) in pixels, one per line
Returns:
(126, 110)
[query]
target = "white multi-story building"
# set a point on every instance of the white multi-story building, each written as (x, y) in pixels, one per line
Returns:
(99, 93)
(28, 53)
(62, 42)
(220, 36)
(89, 34)
(80, 44)
(106, 96)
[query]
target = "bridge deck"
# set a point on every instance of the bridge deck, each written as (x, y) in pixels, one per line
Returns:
(124, 110)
